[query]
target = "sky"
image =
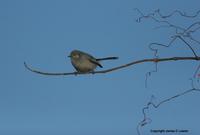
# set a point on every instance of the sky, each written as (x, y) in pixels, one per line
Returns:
(44, 32)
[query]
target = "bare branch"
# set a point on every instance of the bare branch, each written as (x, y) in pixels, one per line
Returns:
(183, 14)
(155, 50)
(188, 46)
(157, 12)
(180, 33)
(147, 120)
(148, 74)
(153, 17)
(115, 68)
(46, 73)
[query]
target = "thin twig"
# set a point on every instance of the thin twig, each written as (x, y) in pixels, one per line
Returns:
(181, 33)
(148, 74)
(151, 103)
(188, 46)
(178, 12)
(114, 68)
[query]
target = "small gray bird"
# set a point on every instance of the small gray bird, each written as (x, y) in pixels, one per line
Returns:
(84, 62)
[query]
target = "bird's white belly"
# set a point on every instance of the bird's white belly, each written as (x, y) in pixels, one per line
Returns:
(84, 65)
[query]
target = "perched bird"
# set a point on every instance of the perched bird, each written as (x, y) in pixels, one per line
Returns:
(84, 62)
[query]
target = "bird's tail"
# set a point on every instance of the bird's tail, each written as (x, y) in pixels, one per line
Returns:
(107, 58)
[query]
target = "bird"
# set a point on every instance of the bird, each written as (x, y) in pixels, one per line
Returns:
(84, 62)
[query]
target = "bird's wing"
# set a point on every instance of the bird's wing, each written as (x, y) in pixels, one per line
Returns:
(95, 62)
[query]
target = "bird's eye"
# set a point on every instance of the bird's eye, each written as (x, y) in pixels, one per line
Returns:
(76, 56)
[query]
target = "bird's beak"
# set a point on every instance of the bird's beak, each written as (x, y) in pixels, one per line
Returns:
(69, 56)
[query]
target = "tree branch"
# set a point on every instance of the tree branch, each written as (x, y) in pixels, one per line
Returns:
(180, 33)
(183, 14)
(114, 68)
(147, 120)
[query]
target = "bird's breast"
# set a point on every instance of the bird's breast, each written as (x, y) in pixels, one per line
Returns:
(83, 65)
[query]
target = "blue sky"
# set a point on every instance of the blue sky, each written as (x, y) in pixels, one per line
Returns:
(43, 32)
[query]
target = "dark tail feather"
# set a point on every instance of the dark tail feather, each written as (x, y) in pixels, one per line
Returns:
(96, 62)
(107, 58)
